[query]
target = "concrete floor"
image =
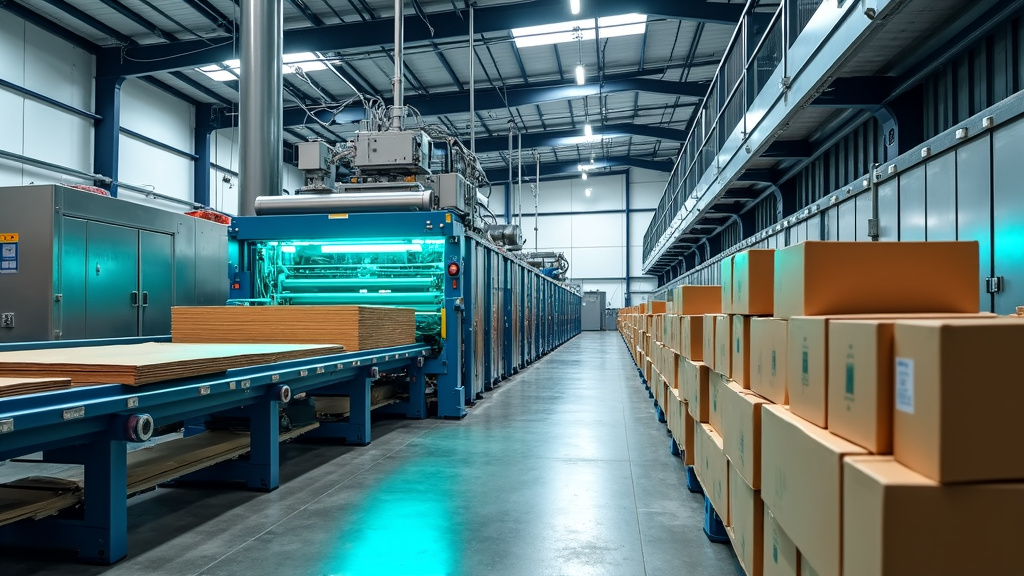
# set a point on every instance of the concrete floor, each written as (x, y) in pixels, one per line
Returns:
(562, 470)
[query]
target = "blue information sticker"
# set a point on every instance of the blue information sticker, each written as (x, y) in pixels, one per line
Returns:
(8, 253)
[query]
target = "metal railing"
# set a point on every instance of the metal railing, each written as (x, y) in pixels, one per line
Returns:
(751, 58)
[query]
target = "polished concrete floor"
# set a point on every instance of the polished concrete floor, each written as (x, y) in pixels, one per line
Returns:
(562, 470)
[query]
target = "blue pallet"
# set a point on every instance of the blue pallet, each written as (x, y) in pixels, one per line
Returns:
(714, 528)
(692, 483)
(661, 415)
(673, 447)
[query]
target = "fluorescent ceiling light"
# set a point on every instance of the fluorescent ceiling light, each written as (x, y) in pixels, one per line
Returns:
(588, 131)
(584, 176)
(588, 191)
(229, 69)
(574, 6)
(581, 75)
(607, 27)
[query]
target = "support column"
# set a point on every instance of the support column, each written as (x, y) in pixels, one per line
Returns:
(626, 293)
(261, 113)
(107, 132)
(205, 124)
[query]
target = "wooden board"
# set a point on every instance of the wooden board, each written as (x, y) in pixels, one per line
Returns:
(21, 386)
(354, 327)
(36, 498)
(138, 364)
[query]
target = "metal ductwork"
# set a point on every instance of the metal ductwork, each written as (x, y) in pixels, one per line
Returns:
(348, 202)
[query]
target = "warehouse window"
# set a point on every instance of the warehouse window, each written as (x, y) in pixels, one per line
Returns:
(608, 27)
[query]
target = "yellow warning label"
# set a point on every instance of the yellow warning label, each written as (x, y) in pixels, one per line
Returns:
(9, 237)
(448, 217)
(337, 216)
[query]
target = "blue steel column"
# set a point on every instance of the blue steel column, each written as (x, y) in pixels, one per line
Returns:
(451, 400)
(201, 148)
(469, 317)
(107, 130)
(626, 293)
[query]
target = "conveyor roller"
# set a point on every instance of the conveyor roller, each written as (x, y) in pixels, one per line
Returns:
(393, 201)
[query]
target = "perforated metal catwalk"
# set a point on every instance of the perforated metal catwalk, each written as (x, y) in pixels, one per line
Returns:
(562, 470)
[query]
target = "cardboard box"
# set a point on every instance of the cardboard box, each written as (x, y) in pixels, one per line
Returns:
(723, 344)
(718, 386)
(746, 524)
(801, 482)
(696, 300)
(817, 278)
(657, 307)
(714, 470)
(708, 337)
(896, 522)
(741, 350)
(741, 432)
(769, 351)
(753, 282)
(688, 447)
(695, 379)
(860, 388)
(780, 555)
(726, 273)
(807, 371)
(693, 337)
(958, 399)
(672, 368)
(806, 569)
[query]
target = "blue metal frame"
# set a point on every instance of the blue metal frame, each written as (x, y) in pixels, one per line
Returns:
(85, 426)
(107, 132)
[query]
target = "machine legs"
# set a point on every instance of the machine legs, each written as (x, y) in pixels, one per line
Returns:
(357, 430)
(260, 471)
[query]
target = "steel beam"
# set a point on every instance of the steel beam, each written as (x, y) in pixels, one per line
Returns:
(570, 136)
(107, 131)
(355, 35)
(555, 169)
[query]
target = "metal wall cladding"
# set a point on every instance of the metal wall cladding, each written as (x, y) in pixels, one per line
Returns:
(974, 211)
(1008, 207)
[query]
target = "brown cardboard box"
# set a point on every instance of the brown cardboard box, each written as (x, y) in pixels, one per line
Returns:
(958, 399)
(806, 569)
(672, 368)
(714, 470)
(780, 555)
(695, 379)
(860, 371)
(896, 522)
(693, 338)
(723, 344)
(807, 373)
(769, 358)
(741, 350)
(746, 521)
(726, 274)
(801, 482)
(708, 337)
(657, 307)
(741, 432)
(815, 278)
(688, 448)
(718, 386)
(695, 300)
(753, 284)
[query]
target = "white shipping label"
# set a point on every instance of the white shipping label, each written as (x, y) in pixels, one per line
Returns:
(905, 385)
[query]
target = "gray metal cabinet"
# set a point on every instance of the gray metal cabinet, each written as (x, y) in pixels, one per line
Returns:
(593, 310)
(98, 267)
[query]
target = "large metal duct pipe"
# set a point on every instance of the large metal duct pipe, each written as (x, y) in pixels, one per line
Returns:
(261, 102)
(398, 84)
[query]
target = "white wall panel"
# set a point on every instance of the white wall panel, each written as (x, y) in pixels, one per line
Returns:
(607, 193)
(598, 230)
(58, 69)
(554, 231)
(56, 136)
(555, 196)
(646, 188)
(597, 263)
(158, 115)
(141, 164)
(12, 46)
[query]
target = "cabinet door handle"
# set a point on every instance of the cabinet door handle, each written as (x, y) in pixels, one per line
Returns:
(135, 298)
(145, 299)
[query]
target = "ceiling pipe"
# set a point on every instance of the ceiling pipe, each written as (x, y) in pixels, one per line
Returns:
(261, 103)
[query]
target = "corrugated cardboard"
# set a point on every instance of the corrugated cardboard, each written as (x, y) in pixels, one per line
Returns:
(693, 337)
(860, 371)
(746, 524)
(694, 300)
(807, 371)
(695, 381)
(801, 482)
(816, 278)
(769, 358)
(723, 344)
(741, 432)
(709, 339)
(672, 368)
(753, 282)
(741, 350)
(726, 275)
(780, 555)
(657, 307)
(897, 522)
(688, 424)
(718, 385)
(714, 470)
(958, 399)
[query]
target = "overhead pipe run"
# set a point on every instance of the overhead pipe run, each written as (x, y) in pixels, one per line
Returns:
(398, 84)
(261, 103)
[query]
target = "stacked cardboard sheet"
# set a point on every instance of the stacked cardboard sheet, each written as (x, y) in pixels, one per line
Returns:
(20, 386)
(138, 364)
(354, 327)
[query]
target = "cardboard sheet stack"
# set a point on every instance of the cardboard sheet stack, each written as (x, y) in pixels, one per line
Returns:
(860, 425)
(139, 364)
(21, 386)
(354, 327)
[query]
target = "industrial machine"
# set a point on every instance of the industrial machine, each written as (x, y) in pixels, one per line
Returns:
(78, 265)
(400, 231)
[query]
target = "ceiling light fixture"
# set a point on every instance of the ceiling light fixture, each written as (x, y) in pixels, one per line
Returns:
(585, 29)
(588, 131)
(574, 5)
(588, 191)
(584, 176)
(581, 75)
